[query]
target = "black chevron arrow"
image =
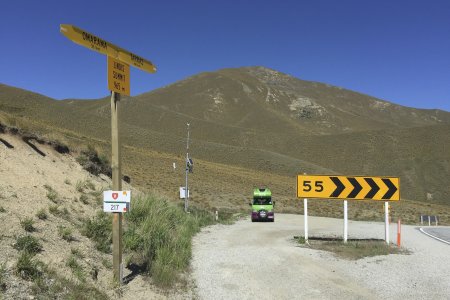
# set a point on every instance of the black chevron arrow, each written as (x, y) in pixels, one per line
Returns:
(374, 188)
(339, 187)
(356, 187)
(391, 191)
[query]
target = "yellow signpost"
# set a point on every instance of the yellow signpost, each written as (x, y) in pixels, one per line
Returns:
(118, 76)
(95, 43)
(348, 187)
(119, 61)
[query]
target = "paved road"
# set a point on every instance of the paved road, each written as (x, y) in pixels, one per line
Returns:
(442, 233)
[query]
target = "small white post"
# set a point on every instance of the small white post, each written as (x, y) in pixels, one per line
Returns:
(436, 219)
(429, 221)
(345, 221)
(386, 220)
(305, 218)
(217, 215)
(421, 219)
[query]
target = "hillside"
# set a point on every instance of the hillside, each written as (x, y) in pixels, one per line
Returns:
(258, 121)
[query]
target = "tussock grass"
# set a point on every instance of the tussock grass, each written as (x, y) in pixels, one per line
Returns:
(94, 163)
(28, 224)
(29, 268)
(65, 233)
(2, 277)
(41, 214)
(29, 244)
(52, 195)
(99, 229)
(76, 268)
(159, 237)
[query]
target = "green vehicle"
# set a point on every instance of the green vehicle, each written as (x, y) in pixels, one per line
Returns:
(262, 205)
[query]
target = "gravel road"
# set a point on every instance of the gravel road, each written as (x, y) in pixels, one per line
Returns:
(260, 261)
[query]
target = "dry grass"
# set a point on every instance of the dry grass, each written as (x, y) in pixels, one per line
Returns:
(231, 160)
(354, 250)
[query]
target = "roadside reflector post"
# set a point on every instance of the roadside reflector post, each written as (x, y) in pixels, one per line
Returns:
(386, 221)
(345, 221)
(429, 221)
(217, 215)
(117, 186)
(305, 218)
(399, 232)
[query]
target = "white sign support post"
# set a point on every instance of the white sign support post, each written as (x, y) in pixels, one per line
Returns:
(386, 221)
(345, 221)
(305, 218)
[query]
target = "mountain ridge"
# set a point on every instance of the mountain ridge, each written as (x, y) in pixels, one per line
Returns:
(265, 120)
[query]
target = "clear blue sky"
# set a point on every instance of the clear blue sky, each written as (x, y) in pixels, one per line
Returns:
(394, 50)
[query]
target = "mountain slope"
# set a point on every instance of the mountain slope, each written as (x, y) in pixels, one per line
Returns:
(263, 120)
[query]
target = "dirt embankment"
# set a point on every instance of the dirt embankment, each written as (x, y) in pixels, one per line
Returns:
(44, 186)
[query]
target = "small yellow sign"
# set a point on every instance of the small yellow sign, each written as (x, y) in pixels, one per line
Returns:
(348, 187)
(118, 76)
(88, 40)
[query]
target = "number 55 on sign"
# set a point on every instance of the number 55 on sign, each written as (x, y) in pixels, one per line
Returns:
(348, 187)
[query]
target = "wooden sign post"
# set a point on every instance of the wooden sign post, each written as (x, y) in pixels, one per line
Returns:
(119, 61)
(117, 186)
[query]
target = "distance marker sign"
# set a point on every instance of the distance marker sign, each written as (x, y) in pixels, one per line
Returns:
(348, 187)
(118, 76)
(116, 201)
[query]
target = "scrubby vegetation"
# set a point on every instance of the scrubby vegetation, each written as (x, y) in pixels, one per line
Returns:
(99, 229)
(28, 224)
(29, 244)
(94, 163)
(158, 237)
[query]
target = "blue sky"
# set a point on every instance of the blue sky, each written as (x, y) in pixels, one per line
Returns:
(394, 50)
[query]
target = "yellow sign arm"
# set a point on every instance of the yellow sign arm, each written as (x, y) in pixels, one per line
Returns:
(88, 40)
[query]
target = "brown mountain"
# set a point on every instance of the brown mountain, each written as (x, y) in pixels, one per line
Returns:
(261, 120)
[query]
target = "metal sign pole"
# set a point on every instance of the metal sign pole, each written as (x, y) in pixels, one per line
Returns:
(117, 186)
(305, 205)
(186, 196)
(386, 221)
(345, 221)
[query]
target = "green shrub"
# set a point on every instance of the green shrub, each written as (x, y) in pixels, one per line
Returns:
(2, 209)
(2, 277)
(84, 199)
(28, 224)
(76, 252)
(76, 268)
(65, 233)
(52, 195)
(159, 237)
(93, 163)
(67, 181)
(41, 214)
(99, 229)
(29, 244)
(54, 210)
(29, 268)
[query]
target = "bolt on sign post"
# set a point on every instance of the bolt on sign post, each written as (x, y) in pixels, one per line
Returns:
(118, 62)
(350, 187)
